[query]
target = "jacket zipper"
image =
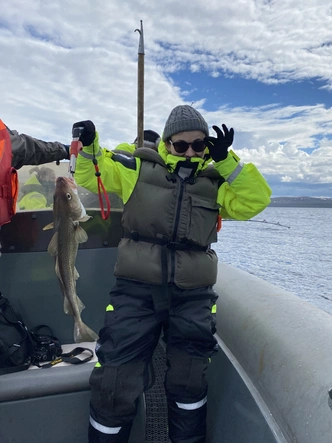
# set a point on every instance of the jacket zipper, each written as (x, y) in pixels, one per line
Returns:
(176, 225)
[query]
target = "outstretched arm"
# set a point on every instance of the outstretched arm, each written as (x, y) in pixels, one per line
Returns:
(31, 151)
(245, 193)
(119, 173)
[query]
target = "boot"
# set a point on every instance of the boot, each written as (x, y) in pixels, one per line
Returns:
(187, 426)
(99, 437)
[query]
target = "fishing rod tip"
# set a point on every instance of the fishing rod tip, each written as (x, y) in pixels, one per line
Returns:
(140, 30)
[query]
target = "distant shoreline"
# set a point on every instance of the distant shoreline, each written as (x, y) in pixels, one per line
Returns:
(301, 202)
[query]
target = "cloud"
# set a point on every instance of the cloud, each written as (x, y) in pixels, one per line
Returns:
(275, 139)
(72, 60)
(259, 40)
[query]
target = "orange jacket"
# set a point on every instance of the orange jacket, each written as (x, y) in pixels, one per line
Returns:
(8, 178)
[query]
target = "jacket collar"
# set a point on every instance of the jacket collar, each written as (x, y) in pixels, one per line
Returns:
(172, 161)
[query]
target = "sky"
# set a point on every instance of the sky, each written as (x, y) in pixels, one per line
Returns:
(263, 67)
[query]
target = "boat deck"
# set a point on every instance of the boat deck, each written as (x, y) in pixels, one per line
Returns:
(269, 382)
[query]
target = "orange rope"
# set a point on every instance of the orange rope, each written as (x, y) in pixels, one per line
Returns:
(102, 193)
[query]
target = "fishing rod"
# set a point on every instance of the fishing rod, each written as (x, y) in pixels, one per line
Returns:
(269, 223)
(140, 89)
(262, 221)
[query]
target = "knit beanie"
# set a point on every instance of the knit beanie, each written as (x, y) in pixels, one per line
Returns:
(151, 139)
(184, 118)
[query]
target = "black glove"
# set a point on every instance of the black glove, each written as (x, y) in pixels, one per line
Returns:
(88, 133)
(67, 147)
(218, 147)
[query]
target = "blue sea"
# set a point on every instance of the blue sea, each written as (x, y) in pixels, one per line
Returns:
(288, 247)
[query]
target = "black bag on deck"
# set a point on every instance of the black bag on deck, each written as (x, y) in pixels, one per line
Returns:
(46, 346)
(19, 347)
(16, 347)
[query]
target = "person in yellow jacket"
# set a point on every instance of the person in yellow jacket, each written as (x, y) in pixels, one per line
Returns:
(151, 140)
(165, 268)
(37, 192)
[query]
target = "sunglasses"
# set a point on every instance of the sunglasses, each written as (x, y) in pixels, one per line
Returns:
(181, 146)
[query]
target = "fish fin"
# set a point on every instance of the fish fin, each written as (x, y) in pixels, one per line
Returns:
(85, 218)
(68, 309)
(76, 274)
(80, 235)
(80, 304)
(82, 333)
(53, 245)
(49, 226)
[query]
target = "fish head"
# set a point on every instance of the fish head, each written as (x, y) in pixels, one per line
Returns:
(66, 200)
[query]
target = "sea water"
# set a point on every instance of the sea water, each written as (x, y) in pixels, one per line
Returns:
(288, 247)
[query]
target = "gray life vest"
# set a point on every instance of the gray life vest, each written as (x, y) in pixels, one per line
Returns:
(169, 224)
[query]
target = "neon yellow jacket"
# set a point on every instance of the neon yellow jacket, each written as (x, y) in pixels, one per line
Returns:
(126, 147)
(244, 194)
(33, 199)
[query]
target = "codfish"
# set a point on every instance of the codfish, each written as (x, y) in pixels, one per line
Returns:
(68, 212)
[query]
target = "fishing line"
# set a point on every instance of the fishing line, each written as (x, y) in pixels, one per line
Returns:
(260, 221)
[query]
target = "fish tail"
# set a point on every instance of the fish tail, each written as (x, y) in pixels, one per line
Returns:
(82, 333)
